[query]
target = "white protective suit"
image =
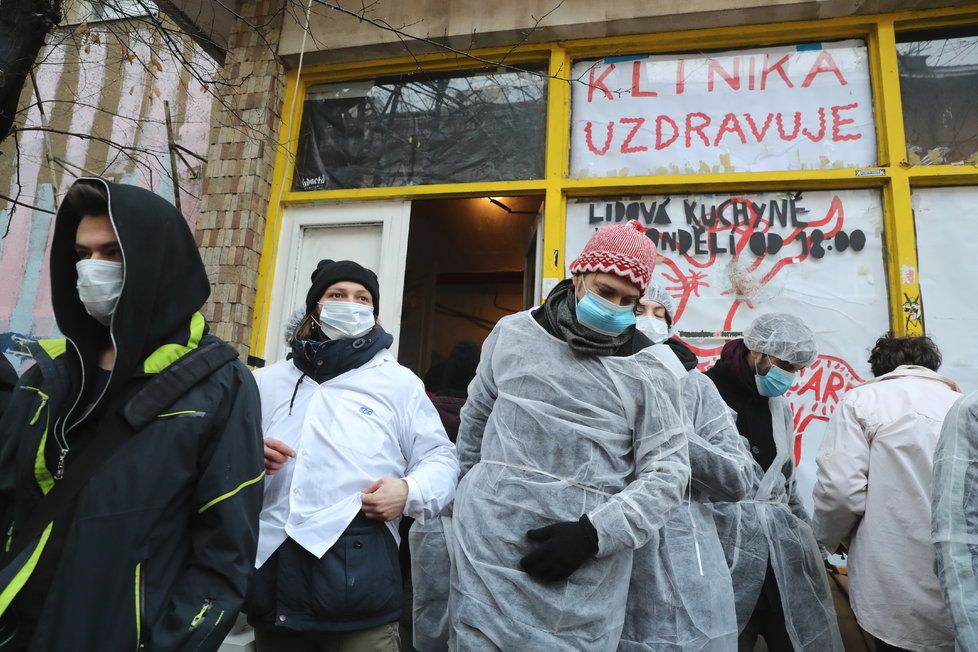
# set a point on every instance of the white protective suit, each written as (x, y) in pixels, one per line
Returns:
(955, 518)
(547, 435)
(430, 571)
(681, 597)
(772, 524)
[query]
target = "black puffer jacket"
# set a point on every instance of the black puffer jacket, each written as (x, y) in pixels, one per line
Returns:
(734, 380)
(158, 547)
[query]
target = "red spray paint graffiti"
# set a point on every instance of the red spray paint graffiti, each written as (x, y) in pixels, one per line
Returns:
(819, 387)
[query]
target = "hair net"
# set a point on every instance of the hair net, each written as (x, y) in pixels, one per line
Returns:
(784, 336)
(660, 295)
(955, 518)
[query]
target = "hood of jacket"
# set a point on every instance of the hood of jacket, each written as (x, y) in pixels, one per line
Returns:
(156, 318)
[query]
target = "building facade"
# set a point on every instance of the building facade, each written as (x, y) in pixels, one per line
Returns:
(815, 157)
(98, 108)
(812, 157)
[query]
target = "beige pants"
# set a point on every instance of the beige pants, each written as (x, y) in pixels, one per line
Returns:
(378, 639)
(854, 638)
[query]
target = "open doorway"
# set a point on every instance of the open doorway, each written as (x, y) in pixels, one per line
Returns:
(470, 262)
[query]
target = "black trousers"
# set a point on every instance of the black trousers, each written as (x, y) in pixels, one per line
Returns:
(767, 621)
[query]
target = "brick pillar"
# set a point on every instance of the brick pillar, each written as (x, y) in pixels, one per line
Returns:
(241, 156)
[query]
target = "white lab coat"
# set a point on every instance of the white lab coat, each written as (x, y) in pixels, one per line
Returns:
(349, 431)
(873, 491)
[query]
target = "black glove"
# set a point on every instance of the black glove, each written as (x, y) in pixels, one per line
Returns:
(563, 548)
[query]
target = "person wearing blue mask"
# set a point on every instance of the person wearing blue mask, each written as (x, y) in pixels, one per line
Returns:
(780, 588)
(573, 454)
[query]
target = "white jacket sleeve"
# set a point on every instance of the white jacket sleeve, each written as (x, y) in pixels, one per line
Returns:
(432, 470)
(477, 408)
(842, 476)
(631, 517)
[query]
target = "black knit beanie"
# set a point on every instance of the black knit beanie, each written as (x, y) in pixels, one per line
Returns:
(333, 271)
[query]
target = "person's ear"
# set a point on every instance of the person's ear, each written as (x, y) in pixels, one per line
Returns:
(754, 360)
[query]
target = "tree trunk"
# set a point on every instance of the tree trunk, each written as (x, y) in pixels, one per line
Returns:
(24, 25)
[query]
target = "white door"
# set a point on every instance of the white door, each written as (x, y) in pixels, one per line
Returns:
(374, 234)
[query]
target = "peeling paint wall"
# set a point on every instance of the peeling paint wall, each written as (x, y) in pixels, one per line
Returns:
(108, 80)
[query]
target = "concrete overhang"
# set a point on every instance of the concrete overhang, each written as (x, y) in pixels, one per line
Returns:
(337, 36)
(208, 22)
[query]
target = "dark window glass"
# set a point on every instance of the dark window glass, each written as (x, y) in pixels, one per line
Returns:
(485, 126)
(939, 86)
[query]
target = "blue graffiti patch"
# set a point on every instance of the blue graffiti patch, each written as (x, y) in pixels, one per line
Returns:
(365, 410)
(10, 341)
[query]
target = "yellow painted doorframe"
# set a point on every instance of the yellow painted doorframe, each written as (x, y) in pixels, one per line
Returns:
(880, 32)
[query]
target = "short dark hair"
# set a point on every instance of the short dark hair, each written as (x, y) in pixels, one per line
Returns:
(460, 366)
(87, 198)
(891, 352)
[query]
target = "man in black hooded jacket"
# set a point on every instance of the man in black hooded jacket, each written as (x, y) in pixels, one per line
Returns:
(154, 547)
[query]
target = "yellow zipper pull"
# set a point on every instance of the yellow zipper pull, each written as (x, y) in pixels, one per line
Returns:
(200, 614)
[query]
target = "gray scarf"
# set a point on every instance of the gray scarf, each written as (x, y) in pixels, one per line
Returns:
(559, 317)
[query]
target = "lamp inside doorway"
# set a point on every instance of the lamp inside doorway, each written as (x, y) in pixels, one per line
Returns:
(496, 202)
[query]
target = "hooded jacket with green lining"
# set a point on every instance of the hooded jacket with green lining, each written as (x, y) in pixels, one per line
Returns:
(160, 542)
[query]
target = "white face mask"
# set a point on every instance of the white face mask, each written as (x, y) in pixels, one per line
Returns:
(653, 328)
(345, 319)
(99, 286)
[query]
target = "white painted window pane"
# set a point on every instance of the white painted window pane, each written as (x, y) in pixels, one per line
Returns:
(799, 107)
(948, 270)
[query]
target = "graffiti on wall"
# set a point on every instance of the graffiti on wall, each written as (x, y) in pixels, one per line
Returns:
(806, 106)
(725, 259)
(111, 83)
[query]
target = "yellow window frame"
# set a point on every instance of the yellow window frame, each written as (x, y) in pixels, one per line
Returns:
(898, 177)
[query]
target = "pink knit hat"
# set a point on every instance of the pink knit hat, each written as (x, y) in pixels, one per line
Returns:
(619, 249)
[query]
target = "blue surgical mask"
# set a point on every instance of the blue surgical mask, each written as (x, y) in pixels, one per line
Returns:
(775, 382)
(602, 316)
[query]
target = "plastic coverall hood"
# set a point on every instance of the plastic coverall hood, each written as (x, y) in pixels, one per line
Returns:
(681, 596)
(955, 517)
(772, 526)
(548, 435)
